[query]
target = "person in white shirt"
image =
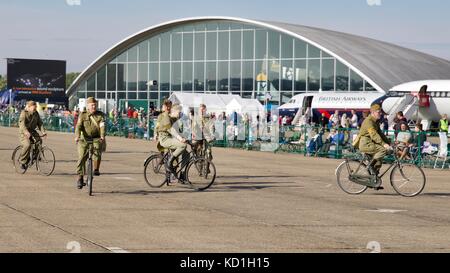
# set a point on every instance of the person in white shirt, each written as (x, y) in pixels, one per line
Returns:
(284, 121)
(403, 141)
(354, 120)
(344, 121)
(335, 119)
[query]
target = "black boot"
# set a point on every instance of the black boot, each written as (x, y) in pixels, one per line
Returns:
(182, 178)
(376, 171)
(169, 164)
(80, 182)
(96, 168)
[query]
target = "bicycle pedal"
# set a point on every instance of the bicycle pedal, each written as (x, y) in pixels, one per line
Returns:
(183, 181)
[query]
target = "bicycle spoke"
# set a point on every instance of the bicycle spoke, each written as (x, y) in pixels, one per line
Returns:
(15, 157)
(408, 180)
(201, 174)
(344, 173)
(45, 161)
(154, 171)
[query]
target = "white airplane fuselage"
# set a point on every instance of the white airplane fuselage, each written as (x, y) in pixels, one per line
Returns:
(329, 102)
(438, 90)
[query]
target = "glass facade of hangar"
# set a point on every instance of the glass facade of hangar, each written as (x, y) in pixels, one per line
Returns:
(221, 57)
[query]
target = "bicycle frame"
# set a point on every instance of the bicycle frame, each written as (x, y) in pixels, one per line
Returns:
(90, 143)
(204, 151)
(395, 163)
(36, 147)
(184, 160)
(39, 155)
(91, 149)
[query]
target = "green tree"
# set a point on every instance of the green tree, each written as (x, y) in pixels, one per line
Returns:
(3, 83)
(70, 78)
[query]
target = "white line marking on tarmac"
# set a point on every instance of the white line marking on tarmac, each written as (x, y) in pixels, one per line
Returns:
(387, 210)
(124, 178)
(117, 250)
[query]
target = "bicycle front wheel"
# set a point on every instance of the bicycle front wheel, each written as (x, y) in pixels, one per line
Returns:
(343, 173)
(155, 171)
(408, 180)
(46, 161)
(201, 174)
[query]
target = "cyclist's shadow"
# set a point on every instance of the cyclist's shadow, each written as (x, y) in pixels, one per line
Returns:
(220, 187)
(427, 194)
(436, 194)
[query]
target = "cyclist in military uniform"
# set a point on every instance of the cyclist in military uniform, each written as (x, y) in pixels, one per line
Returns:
(203, 131)
(28, 122)
(372, 141)
(91, 125)
(167, 135)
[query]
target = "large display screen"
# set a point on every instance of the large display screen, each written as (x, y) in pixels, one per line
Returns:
(39, 80)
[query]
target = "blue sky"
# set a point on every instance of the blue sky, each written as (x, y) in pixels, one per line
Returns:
(53, 29)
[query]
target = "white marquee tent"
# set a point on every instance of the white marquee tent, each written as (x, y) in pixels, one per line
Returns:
(252, 107)
(218, 103)
(215, 103)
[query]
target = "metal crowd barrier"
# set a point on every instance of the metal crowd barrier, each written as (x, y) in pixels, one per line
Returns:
(130, 128)
(123, 127)
(306, 140)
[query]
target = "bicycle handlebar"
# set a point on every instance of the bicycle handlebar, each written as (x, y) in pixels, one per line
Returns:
(190, 142)
(32, 137)
(91, 140)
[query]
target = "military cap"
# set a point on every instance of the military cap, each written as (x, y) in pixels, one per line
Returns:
(91, 100)
(375, 107)
(167, 103)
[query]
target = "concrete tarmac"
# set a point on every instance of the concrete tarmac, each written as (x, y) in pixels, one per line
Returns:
(261, 202)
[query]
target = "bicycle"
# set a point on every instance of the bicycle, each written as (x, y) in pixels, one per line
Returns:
(356, 176)
(194, 170)
(90, 169)
(201, 148)
(40, 155)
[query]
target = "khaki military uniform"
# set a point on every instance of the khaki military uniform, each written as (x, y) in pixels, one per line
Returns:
(89, 126)
(203, 134)
(28, 122)
(372, 141)
(167, 135)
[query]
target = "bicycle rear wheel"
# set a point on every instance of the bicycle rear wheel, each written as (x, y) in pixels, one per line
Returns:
(90, 177)
(15, 160)
(155, 171)
(46, 161)
(343, 173)
(408, 180)
(201, 174)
